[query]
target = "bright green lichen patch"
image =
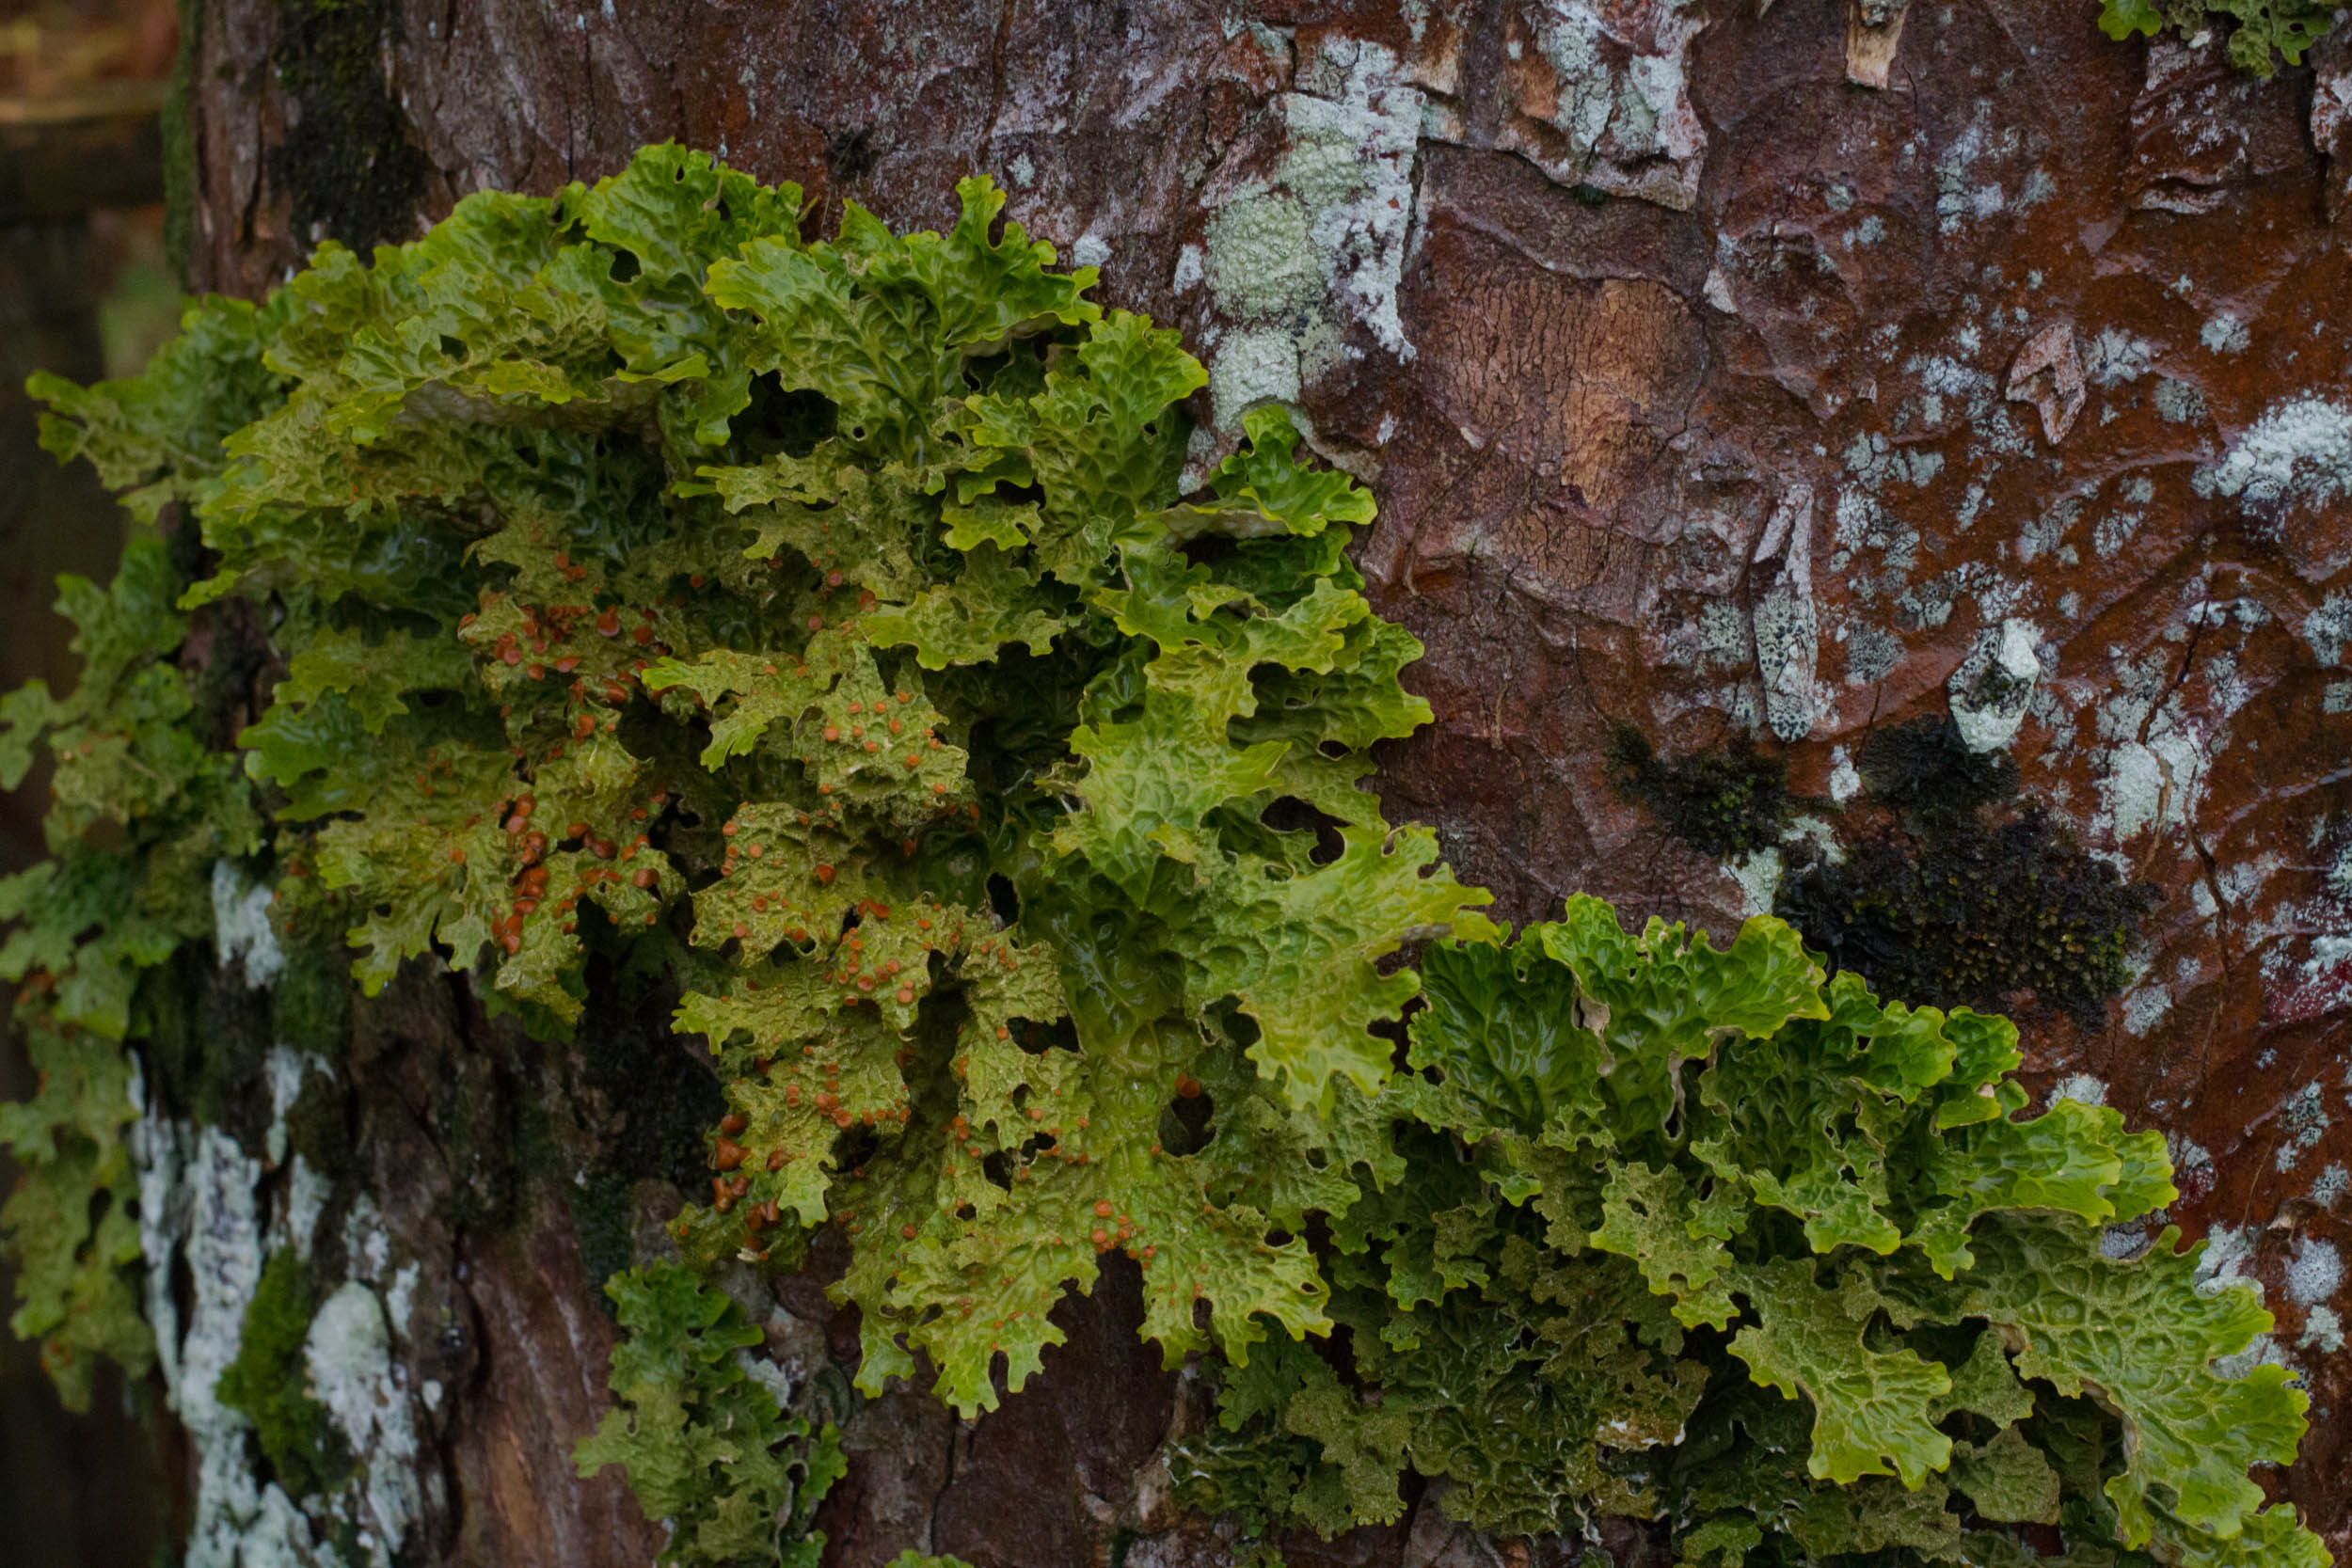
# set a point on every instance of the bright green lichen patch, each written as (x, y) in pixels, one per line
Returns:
(139, 814)
(706, 588)
(2258, 28)
(1699, 1235)
(811, 643)
(705, 1445)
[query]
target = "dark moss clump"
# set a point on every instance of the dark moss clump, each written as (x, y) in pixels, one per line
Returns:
(658, 1101)
(600, 1218)
(1970, 916)
(208, 1043)
(347, 164)
(311, 1005)
(477, 1128)
(666, 1100)
(1726, 804)
(1923, 769)
(306, 1455)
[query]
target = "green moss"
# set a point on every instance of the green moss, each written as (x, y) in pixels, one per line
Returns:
(478, 1129)
(1726, 804)
(306, 1455)
(346, 165)
(311, 1005)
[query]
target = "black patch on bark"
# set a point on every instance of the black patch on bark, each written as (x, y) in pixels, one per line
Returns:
(346, 165)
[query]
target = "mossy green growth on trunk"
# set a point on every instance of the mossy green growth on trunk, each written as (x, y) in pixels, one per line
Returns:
(820, 632)
(270, 1383)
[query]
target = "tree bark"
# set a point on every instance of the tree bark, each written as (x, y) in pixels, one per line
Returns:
(1741, 373)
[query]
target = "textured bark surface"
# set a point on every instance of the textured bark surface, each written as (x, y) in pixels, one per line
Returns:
(1704, 385)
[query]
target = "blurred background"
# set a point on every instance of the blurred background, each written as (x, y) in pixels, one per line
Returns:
(87, 290)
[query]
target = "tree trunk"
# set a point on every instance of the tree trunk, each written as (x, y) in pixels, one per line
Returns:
(1733, 380)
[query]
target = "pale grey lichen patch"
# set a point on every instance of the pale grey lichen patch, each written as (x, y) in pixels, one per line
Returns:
(2332, 1184)
(1621, 116)
(2113, 532)
(1816, 837)
(2153, 783)
(1962, 192)
(1294, 260)
(307, 1188)
(1758, 874)
(1992, 688)
(1260, 259)
(2080, 1087)
(1351, 162)
(768, 1375)
(2264, 1350)
(1786, 625)
(1251, 368)
(1874, 461)
(2227, 1260)
(2304, 1122)
(2298, 450)
(1570, 41)
(348, 1355)
(2046, 534)
(2116, 356)
(2178, 402)
(285, 1070)
(199, 1204)
(2323, 1331)
(367, 1245)
(2144, 1007)
(1844, 780)
(2314, 1272)
(2223, 333)
(240, 926)
(1871, 655)
(2328, 627)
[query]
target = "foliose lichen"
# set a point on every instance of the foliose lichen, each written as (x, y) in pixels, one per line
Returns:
(2260, 32)
(819, 631)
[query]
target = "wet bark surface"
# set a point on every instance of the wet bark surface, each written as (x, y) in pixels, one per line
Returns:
(1750, 381)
